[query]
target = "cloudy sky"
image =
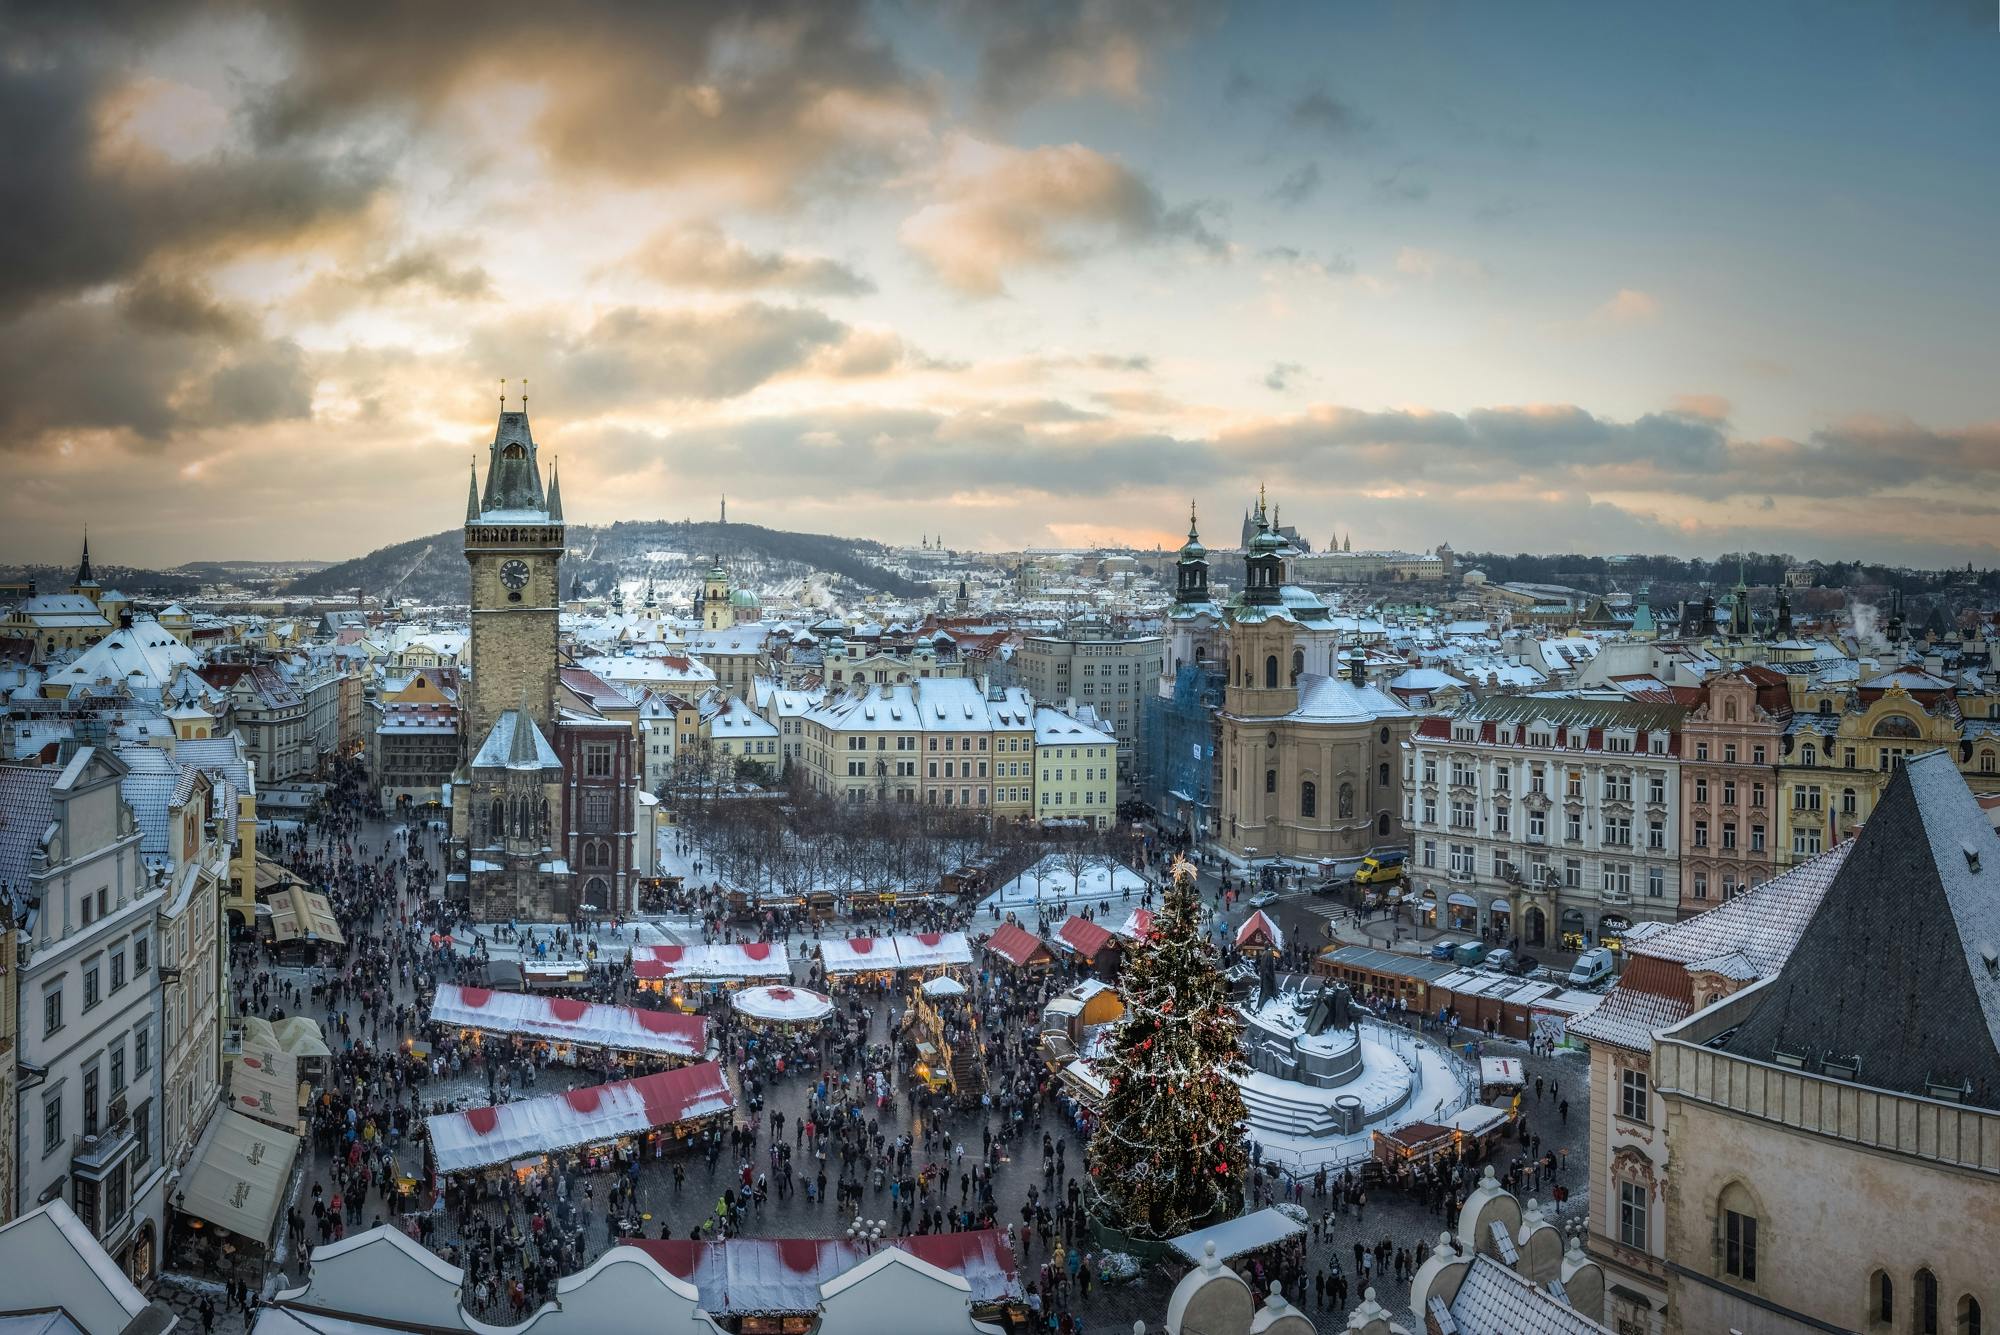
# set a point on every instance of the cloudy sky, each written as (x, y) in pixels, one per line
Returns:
(1544, 277)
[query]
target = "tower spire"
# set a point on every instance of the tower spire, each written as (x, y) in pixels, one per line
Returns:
(472, 493)
(1191, 526)
(83, 575)
(522, 750)
(555, 488)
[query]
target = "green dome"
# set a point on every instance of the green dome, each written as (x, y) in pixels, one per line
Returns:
(744, 598)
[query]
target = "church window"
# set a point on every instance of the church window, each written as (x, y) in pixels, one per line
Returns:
(1271, 670)
(1884, 1297)
(496, 822)
(1969, 1315)
(1927, 1303)
(1298, 664)
(597, 760)
(1347, 801)
(1270, 781)
(596, 853)
(1308, 799)
(1382, 823)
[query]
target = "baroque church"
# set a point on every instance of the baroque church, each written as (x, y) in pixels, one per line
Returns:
(542, 805)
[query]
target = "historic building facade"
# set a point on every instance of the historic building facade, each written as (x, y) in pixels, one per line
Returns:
(1307, 750)
(1556, 821)
(1731, 744)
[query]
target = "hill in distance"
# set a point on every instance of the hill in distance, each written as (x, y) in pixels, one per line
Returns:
(432, 570)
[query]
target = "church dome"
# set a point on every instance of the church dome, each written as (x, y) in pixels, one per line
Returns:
(1268, 540)
(744, 598)
(1192, 550)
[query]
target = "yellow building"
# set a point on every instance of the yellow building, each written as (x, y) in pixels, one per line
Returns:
(1843, 743)
(1076, 770)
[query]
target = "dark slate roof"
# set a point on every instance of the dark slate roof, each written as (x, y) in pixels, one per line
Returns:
(1893, 969)
(512, 484)
(26, 808)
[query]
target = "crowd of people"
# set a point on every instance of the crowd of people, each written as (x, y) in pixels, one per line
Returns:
(831, 1121)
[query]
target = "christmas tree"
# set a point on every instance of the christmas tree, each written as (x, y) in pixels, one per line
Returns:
(1168, 1154)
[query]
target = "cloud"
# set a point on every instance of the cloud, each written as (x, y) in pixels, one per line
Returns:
(1628, 305)
(92, 209)
(1319, 112)
(1002, 209)
(636, 356)
(161, 358)
(1707, 407)
(429, 267)
(701, 255)
(1399, 188)
(760, 102)
(1281, 375)
(1040, 49)
(1298, 186)
(1418, 262)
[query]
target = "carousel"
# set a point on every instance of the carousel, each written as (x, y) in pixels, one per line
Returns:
(782, 1007)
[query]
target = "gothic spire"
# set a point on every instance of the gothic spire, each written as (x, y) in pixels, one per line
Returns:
(555, 495)
(523, 752)
(472, 496)
(83, 575)
(1192, 535)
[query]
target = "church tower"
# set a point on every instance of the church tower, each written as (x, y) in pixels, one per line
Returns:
(1263, 667)
(717, 613)
(514, 544)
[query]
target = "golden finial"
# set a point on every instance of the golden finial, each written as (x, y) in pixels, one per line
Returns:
(524, 393)
(503, 394)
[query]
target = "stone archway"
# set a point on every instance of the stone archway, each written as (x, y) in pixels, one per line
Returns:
(1534, 926)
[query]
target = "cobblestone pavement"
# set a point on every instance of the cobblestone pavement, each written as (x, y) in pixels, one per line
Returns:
(1388, 1214)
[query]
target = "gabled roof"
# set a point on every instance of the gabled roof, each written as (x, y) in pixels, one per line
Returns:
(498, 750)
(26, 808)
(1893, 972)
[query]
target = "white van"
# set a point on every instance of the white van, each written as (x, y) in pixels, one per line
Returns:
(1592, 967)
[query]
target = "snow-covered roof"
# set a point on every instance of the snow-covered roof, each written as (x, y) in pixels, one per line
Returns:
(724, 961)
(499, 1134)
(665, 1033)
(1234, 1237)
(786, 1005)
(1055, 728)
(1327, 699)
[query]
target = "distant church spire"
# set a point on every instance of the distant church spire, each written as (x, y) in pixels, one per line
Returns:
(83, 575)
(472, 496)
(555, 489)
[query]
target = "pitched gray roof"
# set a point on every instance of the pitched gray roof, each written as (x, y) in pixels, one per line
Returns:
(1893, 969)
(25, 812)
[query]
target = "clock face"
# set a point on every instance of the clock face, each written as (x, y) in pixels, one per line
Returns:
(514, 575)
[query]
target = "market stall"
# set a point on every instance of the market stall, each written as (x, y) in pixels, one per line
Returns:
(1501, 1079)
(565, 1025)
(928, 954)
(860, 960)
(1015, 945)
(782, 1006)
(1089, 942)
(1259, 934)
(771, 1286)
(684, 973)
(1253, 1232)
(226, 1207)
(671, 1105)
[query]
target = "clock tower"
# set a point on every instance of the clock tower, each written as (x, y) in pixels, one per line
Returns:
(508, 810)
(514, 544)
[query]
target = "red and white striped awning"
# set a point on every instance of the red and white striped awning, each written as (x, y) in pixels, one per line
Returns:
(723, 962)
(505, 1132)
(564, 1020)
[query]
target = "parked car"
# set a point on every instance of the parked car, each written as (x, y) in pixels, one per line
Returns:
(1525, 966)
(1592, 967)
(1445, 950)
(1499, 961)
(1470, 954)
(1263, 899)
(1381, 868)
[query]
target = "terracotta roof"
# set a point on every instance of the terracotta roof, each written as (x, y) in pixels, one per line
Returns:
(1083, 936)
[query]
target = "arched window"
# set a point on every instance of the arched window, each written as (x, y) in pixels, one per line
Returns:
(1968, 1315)
(596, 853)
(1298, 664)
(1809, 754)
(1347, 801)
(1385, 742)
(1882, 1298)
(1271, 670)
(597, 892)
(1239, 671)
(1899, 726)
(1738, 1227)
(1308, 799)
(1382, 823)
(1382, 774)
(1201, 653)
(1270, 781)
(1927, 1303)
(496, 819)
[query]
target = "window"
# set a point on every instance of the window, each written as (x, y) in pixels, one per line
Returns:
(1632, 1215)
(1573, 828)
(118, 1067)
(52, 1018)
(1927, 1303)
(1809, 754)
(1632, 1101)
(1701, 885)
(1885, 1297)
(597, 760)
(1656, 834)
(1270, 781)
(1739, 1245)
(1701, 750)
(1757, 755)
(1656, 882)
(1847, 801)
(1308, 799)
(142, 1050)
(1573, 873)
(1271, 671)
(52, 1123)
(90, 1102)
(1729, 834)
(1756, 838)
(1462, 816)
(1968, 1315)
(1463, 859)
(1538, 825)
(1701, 790)
(117, 969)
(1430, 853)
(1656, 789)
(1502, 821)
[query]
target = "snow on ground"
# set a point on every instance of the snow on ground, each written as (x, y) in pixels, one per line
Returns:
(1440, 1091)
(1050, 885)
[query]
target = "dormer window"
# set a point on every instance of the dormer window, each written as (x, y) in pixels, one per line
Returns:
(513, 452)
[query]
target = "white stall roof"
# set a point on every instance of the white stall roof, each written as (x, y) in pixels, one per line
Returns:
(1246, 1233)
(565, 1020)
(725, 961)
(498, 1134)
